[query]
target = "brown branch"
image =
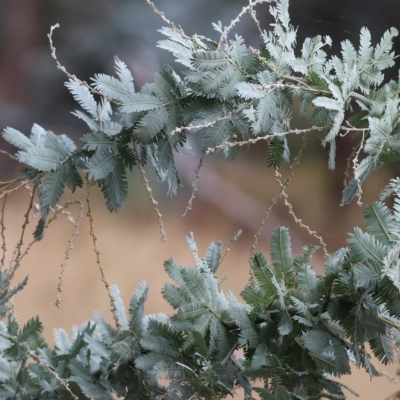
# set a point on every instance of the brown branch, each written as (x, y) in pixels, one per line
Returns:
(151, 197)
(70, 246)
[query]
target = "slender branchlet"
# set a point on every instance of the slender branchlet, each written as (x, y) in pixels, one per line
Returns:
(194, 186)
(353, 159)
(285, 196)
(64, 70)
(97, 251)
(8, 154)
(173, 26)
(248, 9)
(150, 193)
(70, 246)
(3, 228)
(210, 150)
(17, 255)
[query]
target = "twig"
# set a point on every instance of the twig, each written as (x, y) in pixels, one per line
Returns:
(194, 186)
(70, 246)
(70, 76)
(151, 197)
(3, 228)
(97, 252)
(244, 11)
(269, 136)
(8, 154)
(15, 260)
(283, 193)
(289, 205)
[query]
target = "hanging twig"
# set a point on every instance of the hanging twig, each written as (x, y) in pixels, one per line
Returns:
(194, 186)
(150, 193)
(70, 246)
(97, 252)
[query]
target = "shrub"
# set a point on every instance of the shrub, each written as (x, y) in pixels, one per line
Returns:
(295, 328)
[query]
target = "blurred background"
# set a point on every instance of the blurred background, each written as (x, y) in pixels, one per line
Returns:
(231, 196)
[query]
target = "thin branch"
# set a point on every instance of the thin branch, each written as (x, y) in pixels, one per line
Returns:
(172, 25)
(70, 246)
(289, 205)
(245, 10)
(8, 154)
(3, 228)
(70, 76)
(17, 255)
(97, 251)
(194, 186)
(151, 197)
(40, 361)
(275, 199)
(269, 136)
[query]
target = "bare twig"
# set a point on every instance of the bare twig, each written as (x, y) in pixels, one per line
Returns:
(3, 228)
(8, 154)
(269, 136)
(17, 255)
(172, 25)
(71, 76)
(97, 251)
(151, 197)
(70, 246)
(245, 10)
(194, 186)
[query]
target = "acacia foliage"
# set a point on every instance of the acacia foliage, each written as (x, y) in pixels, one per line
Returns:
(295, 328)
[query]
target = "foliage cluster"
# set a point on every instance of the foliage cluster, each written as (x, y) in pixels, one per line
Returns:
(295, 328)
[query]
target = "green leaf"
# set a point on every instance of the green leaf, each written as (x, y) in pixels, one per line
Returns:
(151, 125)
(137, 102)
(61, 144)
(281, 254)
(16, 138)
(263, 273)
(281, 393)
(31, 331)
(101, 164)
(213, 256)
(208, 60)
(217, 134)
(329, 104)
(379, 221)
(41, 158)
(382, 347)
(83, 96)
(54, 187)
(115, 187)
(62, 343)
(366, 247)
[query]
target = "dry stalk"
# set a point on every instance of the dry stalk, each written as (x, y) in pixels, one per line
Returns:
(97, 252)
(64, 70)
(3, 228)
(194, 186)
(151, 197)
(245, 10)
(70, 247)
(17, 254)
(173, 26)
(258, 138)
